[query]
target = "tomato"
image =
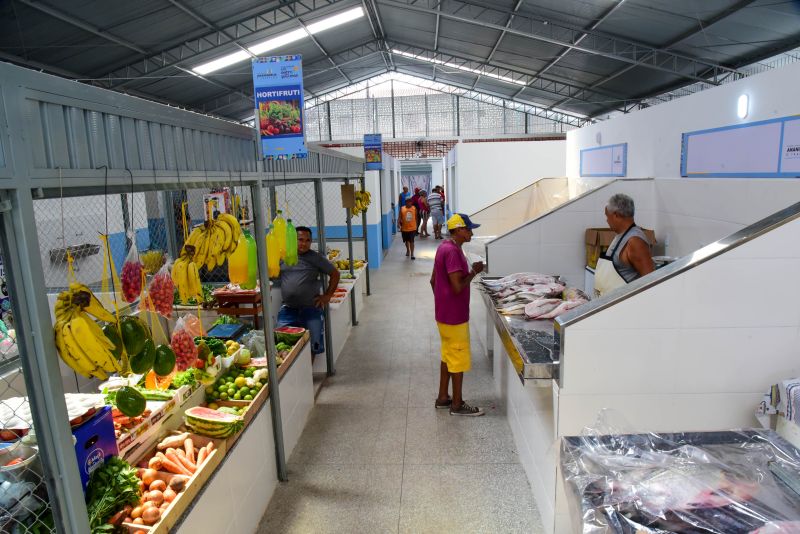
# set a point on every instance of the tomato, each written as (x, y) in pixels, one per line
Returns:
(15, 461)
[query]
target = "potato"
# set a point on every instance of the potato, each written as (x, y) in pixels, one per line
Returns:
(177, 483)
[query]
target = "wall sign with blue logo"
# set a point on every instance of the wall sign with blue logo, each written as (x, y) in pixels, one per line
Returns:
(278, 89)
(609, 160)
(762, 149)
(373, 152)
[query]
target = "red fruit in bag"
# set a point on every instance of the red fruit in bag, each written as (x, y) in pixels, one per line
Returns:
(185, 349)
(131, 278)
(162, 290)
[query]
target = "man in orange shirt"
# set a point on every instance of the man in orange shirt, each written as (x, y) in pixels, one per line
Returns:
(408, 226)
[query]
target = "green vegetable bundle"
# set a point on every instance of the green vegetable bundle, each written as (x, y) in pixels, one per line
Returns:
(217, 346)
(185, 378)
(110, 488)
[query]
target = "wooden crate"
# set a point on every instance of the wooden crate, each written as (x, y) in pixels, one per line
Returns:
(173, 513)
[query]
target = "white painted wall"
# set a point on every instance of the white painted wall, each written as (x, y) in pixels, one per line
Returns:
(487, 172)
(654, 134)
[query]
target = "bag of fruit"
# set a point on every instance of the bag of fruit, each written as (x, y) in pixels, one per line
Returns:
(182, 342)
(161, 291)
(132, 272)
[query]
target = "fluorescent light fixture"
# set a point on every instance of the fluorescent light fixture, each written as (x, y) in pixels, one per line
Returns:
(743, 106)
(281, 40)
(449, 65)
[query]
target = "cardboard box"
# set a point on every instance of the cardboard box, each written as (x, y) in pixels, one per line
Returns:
(94, 443)
(598, 239)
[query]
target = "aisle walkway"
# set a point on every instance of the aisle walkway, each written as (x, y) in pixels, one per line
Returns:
(377, 457)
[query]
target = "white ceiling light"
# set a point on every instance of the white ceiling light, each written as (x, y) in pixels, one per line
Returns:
(281, 40)
(480, 72)
(743, 106)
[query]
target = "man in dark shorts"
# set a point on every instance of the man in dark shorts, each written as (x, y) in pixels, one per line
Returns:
(408, 225)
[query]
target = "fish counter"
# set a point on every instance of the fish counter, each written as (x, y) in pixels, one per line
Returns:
(744, 482)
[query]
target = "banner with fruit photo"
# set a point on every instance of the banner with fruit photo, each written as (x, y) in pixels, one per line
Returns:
(278, 88)
(373, 152)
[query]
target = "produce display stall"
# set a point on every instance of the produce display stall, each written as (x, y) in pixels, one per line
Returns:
(203, 410)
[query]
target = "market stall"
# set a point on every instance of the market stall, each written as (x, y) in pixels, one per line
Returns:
(675, 343)
(189, 389)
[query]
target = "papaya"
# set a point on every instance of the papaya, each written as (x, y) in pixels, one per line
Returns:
(130, 401)
(111, 332)
(165, 360)
(134, 333)
(143, 362)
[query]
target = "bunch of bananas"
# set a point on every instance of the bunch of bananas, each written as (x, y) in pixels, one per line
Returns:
(333, 253)
(211, 244)
(344, 265)
(186, 277)
(363, 198)
(80, 341)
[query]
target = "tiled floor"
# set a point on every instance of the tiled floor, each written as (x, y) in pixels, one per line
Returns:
(376, 456)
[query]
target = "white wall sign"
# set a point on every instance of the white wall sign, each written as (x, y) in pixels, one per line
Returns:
(609, 160)
(764, 149)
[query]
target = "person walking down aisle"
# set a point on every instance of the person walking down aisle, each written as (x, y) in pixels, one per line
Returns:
(403, 196)
(450, 283)
(436, 205)
(408, 226)
(301, 287)
(424, 212)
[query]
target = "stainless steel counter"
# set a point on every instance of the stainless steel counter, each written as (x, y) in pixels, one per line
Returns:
(529, 344)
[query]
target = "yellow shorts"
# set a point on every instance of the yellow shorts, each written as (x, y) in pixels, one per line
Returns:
(455, 346)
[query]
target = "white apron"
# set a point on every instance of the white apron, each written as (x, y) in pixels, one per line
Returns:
(606, 277)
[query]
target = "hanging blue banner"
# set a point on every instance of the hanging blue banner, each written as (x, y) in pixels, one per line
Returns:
(278, 88)
(373, 152)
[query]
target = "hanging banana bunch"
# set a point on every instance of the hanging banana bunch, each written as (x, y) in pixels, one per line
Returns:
(215, 241)
(186, 276)
(363, 199)
(80, 341)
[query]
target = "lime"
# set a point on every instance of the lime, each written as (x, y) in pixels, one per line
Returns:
(212, 406)
(237, 396)
(248, 397)
(223, 396)
(249, 371)
(244, 391)
(210, 390)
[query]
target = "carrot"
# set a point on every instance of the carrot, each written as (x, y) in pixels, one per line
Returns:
(201, 456)
(185, 461)
(210, 447)
(176, 459)
(189, 445)
(172, 466)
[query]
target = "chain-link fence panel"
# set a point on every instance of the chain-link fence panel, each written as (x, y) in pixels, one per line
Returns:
(25, 506)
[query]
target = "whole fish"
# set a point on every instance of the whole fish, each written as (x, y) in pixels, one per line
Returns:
(564, 307)
(509, 308)
(541, 306)
(552, 289)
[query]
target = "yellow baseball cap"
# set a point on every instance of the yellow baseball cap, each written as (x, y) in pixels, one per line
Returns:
(460, 220)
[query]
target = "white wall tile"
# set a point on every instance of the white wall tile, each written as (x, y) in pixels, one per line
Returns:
(661, 412)
(746, 292)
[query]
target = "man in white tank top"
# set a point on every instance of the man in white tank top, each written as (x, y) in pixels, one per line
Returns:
(632, 257)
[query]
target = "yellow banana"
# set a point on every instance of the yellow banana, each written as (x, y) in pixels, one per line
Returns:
(92, 346)
(193, 280)
(233, 222)
(96, 309)
(81, 362)
(227, 230)
(179, 276)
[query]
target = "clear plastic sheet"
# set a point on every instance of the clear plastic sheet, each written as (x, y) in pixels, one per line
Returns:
(701, 482)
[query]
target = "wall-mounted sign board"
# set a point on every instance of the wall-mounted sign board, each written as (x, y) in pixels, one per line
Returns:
(609, 160)
(764, 149)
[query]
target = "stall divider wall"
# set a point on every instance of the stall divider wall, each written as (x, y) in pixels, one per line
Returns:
(521, 206)
(553, 242)
(62, 137)
(686, 215)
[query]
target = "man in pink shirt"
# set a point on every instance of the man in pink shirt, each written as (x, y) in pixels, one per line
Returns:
(450, 281)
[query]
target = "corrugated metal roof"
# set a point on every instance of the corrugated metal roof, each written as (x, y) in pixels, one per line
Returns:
(624, 50)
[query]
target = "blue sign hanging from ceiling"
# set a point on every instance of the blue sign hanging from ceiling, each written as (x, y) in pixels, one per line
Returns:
(278, 89)
(373, 152)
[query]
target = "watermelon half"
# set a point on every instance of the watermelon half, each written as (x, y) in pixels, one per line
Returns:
(289, 334)
(212, 423)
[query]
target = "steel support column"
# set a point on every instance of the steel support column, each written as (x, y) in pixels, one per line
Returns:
(322, 246)
(349, 214)
(364, 233)
(40, 362)
(256, 192)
